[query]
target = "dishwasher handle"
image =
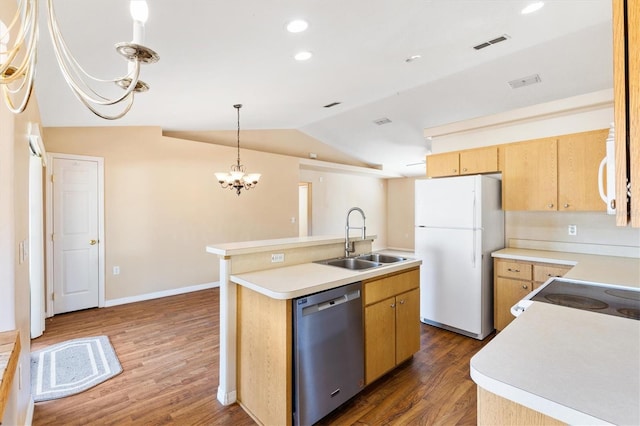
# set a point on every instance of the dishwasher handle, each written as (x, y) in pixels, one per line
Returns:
(319, 307)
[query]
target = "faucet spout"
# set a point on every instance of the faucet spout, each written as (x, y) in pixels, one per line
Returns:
(349, 247)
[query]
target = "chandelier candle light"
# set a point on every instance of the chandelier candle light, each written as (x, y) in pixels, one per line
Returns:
(18, 62)
(237, 178)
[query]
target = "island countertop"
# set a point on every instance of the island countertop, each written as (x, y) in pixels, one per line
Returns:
(300, 280)
(577, 366)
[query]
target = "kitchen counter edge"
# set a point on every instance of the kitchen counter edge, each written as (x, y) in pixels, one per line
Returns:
(295, 281)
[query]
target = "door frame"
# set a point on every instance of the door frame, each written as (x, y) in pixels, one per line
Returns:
(49, 226)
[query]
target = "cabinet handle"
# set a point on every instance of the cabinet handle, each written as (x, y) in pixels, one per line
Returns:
(513, 270)
(455, 170)
(553, 275)
(550, 206)
(566, 205)
(524, 286)
(393, 305)
(464, 170)
(613, 204)
(402, 302)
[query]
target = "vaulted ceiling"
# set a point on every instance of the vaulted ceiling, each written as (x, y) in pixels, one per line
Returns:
(215, 53)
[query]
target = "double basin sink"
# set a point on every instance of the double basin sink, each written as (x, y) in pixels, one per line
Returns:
(363, 261)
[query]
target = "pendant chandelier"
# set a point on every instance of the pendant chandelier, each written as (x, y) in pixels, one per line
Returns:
(236, 178)
(18, 62)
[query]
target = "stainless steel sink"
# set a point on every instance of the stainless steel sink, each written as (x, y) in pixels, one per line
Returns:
(350, 263)
(381, 258)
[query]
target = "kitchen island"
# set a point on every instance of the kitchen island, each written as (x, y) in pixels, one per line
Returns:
(256, 313)
(555, 364)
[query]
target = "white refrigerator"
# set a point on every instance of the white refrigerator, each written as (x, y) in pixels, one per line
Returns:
(459, 222)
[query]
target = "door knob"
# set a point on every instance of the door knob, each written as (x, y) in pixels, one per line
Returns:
(93, 242)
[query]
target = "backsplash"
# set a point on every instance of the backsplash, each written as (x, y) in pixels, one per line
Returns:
(596, 233)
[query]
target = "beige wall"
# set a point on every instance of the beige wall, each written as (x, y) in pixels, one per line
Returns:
(163, 204)
(333, 194)
(400, 213)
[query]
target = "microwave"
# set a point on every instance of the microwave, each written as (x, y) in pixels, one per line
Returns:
(607, 170)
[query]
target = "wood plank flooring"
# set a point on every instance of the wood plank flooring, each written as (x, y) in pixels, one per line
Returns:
(169, 352)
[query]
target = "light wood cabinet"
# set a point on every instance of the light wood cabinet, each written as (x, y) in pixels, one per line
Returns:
(554, 174)
(513, 280)
(391, 321)
(626, 85)
(467, 162)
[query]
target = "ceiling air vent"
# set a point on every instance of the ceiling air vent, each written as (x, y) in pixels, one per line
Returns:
(490, 42)
(332, 104)
(381, 121)
(525, 81)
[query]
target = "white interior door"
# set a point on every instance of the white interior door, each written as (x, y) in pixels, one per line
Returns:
(76, 269)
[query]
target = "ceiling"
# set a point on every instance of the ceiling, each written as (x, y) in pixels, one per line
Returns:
(215, 53)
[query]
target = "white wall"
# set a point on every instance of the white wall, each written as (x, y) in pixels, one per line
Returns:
(333, 194)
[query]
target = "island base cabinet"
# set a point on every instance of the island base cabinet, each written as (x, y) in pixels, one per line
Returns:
(496, 410)
(391, 322)
(264, 357)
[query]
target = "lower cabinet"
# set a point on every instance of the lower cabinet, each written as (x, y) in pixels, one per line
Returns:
(513, 280)
(391, 321)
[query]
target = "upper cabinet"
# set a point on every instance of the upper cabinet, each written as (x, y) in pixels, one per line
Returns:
(626, 84)
(467, 162)
(554, 174)
(530, 175)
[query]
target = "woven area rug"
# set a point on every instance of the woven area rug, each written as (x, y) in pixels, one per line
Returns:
(71, 367)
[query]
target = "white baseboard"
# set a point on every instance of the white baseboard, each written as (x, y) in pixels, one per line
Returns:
(159, 294)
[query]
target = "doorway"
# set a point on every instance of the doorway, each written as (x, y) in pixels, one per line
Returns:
(304, 209)
(75, 226)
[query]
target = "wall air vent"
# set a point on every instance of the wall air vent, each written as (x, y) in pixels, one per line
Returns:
(491, 42)
(525, 81)
(332, 104)
(381, 121)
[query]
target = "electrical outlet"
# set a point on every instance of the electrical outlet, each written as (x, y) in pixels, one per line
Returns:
(278, 257)
(116, 270)
(572, 230)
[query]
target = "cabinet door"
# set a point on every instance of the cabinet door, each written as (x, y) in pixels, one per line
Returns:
(407, 324)
(579, 156)
(481, 160)
(447, 164)
(530, 175)
(507, 293)
(379, 338)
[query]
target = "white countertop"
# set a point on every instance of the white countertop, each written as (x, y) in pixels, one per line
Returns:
(300, 280)
(576, 366)
(246, 247)
(587, 267)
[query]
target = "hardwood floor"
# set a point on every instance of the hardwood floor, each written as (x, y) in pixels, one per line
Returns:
(168, 349)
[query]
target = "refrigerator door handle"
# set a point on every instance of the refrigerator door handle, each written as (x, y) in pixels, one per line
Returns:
(473, 254)
(475, 226)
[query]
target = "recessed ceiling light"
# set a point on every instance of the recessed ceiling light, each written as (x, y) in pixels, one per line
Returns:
(297, 26)
(303, 56)
(532, 7)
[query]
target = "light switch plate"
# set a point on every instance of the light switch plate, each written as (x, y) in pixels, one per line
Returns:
(277, 257)
(572, 230)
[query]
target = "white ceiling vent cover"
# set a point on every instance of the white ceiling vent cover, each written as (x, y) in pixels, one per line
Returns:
(525, 81)
(381, 121)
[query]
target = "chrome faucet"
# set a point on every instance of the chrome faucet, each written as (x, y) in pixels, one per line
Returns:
(351, 248)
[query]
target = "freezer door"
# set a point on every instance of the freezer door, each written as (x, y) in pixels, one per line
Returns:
(448, 202)
(451, 277)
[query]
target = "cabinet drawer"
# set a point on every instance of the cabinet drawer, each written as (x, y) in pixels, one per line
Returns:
(541, 273)
(514, 270)
(383, 288)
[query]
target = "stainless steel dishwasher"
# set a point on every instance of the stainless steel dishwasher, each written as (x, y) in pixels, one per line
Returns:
(328, 354)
